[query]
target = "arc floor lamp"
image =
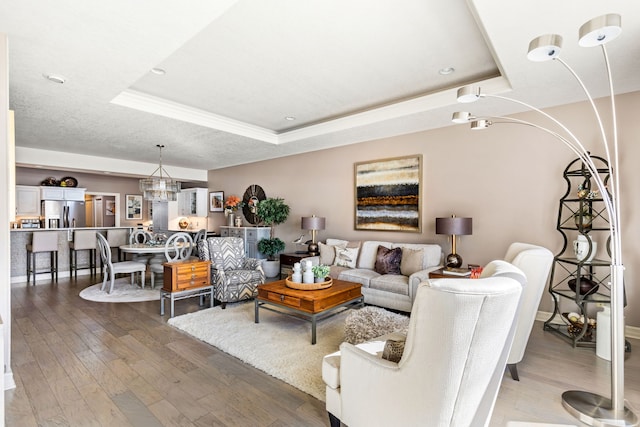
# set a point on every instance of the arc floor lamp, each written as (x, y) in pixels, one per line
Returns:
(589, 408)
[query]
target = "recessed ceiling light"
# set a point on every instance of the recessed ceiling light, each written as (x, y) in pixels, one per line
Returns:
(158, 71)
(290, 118)
(446, 71)
(56, 78)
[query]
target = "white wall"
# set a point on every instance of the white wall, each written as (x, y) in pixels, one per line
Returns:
(507, 178)
(6, 158)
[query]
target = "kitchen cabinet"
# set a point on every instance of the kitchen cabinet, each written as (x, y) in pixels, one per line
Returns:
(61, 193)
(192, 202)
(27, 200)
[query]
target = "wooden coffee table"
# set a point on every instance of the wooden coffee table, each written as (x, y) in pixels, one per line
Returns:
(308, 305)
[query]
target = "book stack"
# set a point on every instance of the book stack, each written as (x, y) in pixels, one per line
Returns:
(456, 271)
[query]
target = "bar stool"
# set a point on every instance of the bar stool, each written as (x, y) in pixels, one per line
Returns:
(117, 238)
(43, 241)
(83, 240)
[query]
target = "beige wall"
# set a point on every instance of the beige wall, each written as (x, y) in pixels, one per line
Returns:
(507, 178)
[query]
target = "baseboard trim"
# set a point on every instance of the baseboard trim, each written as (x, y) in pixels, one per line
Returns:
(629, 331)
(9, 382)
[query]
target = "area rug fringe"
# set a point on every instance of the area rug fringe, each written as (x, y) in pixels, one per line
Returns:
(279, 345)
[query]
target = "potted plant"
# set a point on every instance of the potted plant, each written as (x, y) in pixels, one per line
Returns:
(320, 272)
(272, 211)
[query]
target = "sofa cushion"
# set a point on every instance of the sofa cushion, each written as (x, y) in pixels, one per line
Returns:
(335, 270)
(359, 275)
(388, 260)
(369, 253)
(393, 283)
(346, 257)
(412, 260)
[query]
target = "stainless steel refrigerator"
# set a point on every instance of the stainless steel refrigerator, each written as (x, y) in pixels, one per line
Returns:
(65, 214)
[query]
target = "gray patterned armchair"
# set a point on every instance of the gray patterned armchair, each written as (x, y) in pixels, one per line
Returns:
(234, 276)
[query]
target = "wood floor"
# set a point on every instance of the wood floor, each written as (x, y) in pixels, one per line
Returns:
(80, 363)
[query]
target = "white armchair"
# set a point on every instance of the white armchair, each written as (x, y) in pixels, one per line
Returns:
(453, 361)
(535, 262)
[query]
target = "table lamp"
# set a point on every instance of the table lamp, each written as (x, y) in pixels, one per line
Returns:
(313, 223)
(454, 227)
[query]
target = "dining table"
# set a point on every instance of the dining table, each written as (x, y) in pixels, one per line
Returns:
(143, 248)
(156, 250)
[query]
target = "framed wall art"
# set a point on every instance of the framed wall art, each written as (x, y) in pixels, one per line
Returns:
(216, 201)
(387, 194)
(133, 206)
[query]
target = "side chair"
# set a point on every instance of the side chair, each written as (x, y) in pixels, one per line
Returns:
(113, 268)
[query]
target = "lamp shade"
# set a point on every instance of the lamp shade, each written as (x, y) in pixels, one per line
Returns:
(454, 226)
(313, 223)
(600, 30)
(545, 48)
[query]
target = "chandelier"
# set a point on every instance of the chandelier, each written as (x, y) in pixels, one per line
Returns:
(160, 188)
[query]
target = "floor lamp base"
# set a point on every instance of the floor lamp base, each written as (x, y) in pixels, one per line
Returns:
(595, 410)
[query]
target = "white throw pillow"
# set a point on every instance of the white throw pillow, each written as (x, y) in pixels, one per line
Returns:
(346, 257)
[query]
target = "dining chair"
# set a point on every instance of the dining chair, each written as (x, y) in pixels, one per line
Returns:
(199, 236)
(113, 268)
(178, 247)
(117, 238)
(140, 237)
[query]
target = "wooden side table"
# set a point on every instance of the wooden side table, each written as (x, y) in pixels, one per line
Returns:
(287, 261)
(186, 279)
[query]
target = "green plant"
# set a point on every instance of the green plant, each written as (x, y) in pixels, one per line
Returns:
(272, 211)
(271, 247)
(320, 270)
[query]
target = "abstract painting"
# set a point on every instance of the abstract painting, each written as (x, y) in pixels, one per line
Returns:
(388, 194)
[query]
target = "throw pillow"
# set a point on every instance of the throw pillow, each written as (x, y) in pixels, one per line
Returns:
(346, 257)
(411, 261)
(327, 253)
(388, 260)
(393, 350)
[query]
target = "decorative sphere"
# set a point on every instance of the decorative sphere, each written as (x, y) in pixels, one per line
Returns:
(453, 261)
(183, 223)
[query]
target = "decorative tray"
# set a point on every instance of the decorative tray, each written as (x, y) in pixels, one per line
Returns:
(308, 286)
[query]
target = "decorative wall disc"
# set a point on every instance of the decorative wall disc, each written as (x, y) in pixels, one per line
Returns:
(252, 196)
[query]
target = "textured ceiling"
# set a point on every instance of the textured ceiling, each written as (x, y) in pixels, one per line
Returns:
(347, 71)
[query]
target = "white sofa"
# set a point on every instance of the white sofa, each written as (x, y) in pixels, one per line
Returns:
(395, 291)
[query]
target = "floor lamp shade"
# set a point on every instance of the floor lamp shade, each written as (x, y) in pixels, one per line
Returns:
(313, 223)
(454, 226)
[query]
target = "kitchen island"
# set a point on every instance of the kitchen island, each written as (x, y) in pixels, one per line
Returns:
(20, 237)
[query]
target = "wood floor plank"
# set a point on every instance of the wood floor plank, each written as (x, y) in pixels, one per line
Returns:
(80, 363)
(107, 380)
(106, 411)
(41, 397)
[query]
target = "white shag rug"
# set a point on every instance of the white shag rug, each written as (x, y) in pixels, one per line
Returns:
(371, 322)
(123, 291)
(279, 345)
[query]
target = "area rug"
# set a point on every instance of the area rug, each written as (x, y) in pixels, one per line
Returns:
(123, 291)
(279, 345)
